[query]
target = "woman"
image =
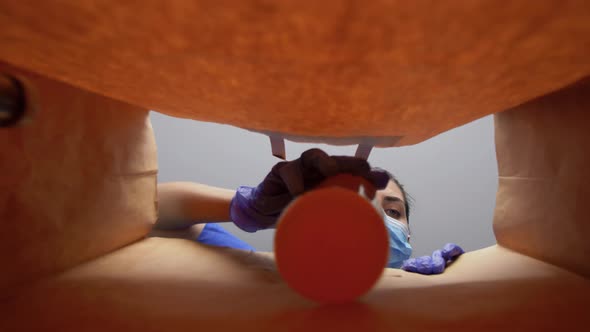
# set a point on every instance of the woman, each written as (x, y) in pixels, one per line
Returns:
(192, 210)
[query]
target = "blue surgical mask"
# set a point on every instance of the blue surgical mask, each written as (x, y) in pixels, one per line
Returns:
(399, 247)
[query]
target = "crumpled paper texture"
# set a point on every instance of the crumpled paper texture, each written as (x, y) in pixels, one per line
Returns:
(543, 150)
(77, 180)
(324, 69)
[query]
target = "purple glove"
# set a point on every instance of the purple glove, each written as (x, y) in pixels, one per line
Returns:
(434, 264)
(258, 208)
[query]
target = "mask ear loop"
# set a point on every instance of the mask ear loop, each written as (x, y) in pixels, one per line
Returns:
(406, 228)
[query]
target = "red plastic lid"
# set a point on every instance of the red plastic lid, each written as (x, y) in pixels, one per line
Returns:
(331, 245)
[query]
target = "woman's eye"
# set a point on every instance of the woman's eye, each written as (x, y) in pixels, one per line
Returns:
(393, 213)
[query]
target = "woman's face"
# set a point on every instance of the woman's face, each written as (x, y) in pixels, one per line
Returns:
(393, 203)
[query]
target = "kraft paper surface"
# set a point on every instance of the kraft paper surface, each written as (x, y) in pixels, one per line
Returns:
(77, 180)
(170, 284)
(543, 150)
(307, 68)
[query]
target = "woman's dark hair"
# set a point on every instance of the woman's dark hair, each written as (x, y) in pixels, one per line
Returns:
(407, 198)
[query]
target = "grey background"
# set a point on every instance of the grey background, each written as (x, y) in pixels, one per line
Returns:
(452, 177)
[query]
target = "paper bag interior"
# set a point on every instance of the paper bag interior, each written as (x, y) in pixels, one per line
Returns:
(78, 176)
(307, 68)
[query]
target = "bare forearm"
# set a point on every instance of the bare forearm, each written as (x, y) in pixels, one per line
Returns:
(182, 204)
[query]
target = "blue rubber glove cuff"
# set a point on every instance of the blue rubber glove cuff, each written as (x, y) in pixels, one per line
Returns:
(245, 216)
(434, 264)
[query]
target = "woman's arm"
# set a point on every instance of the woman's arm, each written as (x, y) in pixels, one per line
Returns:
(183, 204)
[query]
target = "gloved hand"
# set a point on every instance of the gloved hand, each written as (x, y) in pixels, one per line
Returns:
(434, 264)
(258, 208)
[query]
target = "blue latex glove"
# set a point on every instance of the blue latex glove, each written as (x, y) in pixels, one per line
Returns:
(258, 208)
(434, 264)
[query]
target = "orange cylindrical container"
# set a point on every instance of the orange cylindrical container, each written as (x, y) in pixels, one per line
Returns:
(331, 245)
